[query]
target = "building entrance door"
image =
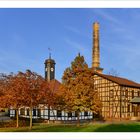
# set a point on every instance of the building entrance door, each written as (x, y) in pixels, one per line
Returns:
(136, 109)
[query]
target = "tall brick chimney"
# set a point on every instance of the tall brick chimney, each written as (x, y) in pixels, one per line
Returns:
(96, 49)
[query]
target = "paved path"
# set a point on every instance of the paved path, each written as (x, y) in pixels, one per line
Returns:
(4, 118)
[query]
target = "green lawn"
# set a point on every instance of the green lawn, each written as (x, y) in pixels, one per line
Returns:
(129, 127)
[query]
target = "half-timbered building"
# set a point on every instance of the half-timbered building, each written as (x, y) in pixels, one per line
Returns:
(115, 92)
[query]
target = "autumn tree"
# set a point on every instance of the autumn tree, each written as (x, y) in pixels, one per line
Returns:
(78, 88)
(33, 95)
(53, 98)
(59, 98)
(13, 86)
(48, 92)
(4, 82)
(23, 90)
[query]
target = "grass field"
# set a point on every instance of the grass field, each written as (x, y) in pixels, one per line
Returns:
(129, 127)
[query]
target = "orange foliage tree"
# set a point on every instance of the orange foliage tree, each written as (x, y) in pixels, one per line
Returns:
(23, 90)
(78, 88)
(4, 82)
(53, 98)
(48, 100)
(32, 94)
(13, 92)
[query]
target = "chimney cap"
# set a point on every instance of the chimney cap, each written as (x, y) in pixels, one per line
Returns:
(96, 22)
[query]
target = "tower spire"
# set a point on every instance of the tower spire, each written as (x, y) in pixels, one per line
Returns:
(96, 49)
(49, 49)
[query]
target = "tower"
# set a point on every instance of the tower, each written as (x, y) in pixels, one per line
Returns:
(49, 69)
(96, 49)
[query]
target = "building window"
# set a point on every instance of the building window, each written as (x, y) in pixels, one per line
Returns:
(34, 112)
(76, 113)
(69, 114)
(133, 108)
(39, 112)
(59, 113)
(132, 93)
(86, 113)
(22, 111)
(126, 93)
(28, 112)
(14, 112)
(138, 93)
(128, 108)
(111, 93)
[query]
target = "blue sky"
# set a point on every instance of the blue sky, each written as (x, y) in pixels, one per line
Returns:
(26, 35)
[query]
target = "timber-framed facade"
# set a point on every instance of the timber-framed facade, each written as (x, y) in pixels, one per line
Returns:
(115, 95)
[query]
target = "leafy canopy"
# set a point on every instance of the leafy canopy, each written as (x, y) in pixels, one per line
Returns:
(78, 87)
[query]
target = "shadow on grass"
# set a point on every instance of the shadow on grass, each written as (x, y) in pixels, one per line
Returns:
(56, 128)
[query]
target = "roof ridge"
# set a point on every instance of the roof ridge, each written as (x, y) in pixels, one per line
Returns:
(120, 80)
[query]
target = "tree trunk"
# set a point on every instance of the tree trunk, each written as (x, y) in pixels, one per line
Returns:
(78, 119)
(31, 118)
(53, 114)
(48, 114)
(17, 117)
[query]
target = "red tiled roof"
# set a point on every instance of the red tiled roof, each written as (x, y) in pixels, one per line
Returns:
(54, 85)
(120, 81)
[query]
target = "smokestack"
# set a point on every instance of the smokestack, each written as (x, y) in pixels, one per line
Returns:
(96, 49)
